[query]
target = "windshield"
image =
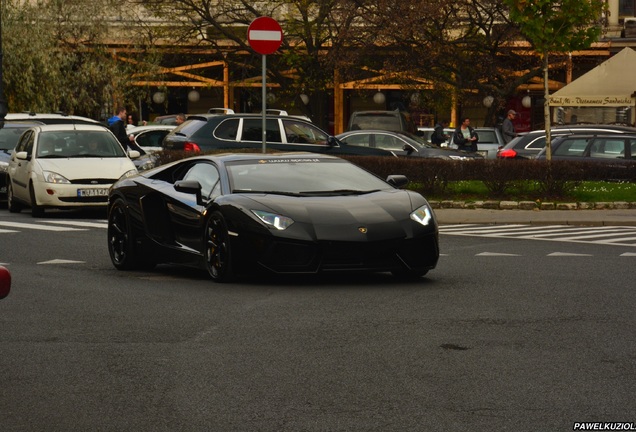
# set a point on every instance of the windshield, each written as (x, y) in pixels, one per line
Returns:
(301, 176)
(78, 144)
(190, 126)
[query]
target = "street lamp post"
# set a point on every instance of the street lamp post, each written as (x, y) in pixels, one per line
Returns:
(3, 102)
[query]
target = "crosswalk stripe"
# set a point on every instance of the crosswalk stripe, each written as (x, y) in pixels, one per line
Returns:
(608, 235)
(80, 223)
(39, 226)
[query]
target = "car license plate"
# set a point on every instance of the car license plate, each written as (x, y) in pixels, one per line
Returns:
(91, 192)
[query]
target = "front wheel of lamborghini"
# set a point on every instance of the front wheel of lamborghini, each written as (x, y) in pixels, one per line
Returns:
(121, 244)
(218, 255)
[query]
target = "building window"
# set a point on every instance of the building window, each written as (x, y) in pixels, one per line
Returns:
(627, 8)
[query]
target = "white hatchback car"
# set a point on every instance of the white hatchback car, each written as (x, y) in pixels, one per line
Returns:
(65, 166)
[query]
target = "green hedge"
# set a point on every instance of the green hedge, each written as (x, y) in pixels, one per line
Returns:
(432, 176)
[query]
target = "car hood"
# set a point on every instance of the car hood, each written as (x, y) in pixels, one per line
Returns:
(81, 168)
(384, 215)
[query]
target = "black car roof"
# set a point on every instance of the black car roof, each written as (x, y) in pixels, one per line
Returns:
(596, 126)
(573, 128)
(598, 135)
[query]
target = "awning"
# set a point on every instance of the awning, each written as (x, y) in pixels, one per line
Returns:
(610, 84)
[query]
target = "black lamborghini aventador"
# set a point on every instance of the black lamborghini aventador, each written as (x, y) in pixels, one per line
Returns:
(285, 213)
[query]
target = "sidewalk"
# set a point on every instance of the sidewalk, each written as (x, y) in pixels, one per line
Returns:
(451, 216)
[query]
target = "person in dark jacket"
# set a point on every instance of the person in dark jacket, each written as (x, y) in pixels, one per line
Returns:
(439, 137)
(117, 125)
(507, 128)
(465, 137)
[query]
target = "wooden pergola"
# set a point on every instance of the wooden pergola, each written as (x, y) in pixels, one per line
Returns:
(194, 76)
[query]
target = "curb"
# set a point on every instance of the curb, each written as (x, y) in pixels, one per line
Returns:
(532, 205)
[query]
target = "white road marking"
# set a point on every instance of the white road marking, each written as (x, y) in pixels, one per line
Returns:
(564, 254)
(604, 235)
(39, 226)
(80, 223)
(62, 261)
(496, 254)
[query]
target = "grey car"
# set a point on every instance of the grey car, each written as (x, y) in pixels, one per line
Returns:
(607, 148)
(528, 145)
(401, 144)
(490, 141)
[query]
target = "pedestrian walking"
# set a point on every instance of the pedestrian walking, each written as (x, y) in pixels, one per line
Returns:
(117, 125)
(508, 128)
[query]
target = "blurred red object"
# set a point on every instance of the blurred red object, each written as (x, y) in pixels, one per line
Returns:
(5, 282)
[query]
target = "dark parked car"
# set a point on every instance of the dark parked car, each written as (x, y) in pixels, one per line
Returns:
(395, 120)
(614, 148)
(283, 213)
(204, 132)
(401, 144)
(528, 145)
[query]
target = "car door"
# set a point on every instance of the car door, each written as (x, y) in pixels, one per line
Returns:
(20, 169)
(392, 143)
(251, 133)
(359, 139)
(186, 219)
(609, 148)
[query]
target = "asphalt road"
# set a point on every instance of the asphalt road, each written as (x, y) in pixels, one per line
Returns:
(504, 335)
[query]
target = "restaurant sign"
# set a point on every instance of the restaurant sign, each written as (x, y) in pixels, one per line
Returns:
(609, 101)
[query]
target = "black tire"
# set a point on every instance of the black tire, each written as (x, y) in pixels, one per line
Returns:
(217, 253)
(12, 204)
(36, 210)
(121, 242)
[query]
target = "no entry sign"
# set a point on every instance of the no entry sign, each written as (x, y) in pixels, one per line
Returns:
(265, 35)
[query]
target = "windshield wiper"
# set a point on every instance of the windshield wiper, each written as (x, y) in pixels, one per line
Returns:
(53, 156)
(339, 192)
(252, 191)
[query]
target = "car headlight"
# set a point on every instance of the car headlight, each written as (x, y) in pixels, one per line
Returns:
(274, 220)
(146, 166)
(53, 177)
(423, 215)
(130, 173)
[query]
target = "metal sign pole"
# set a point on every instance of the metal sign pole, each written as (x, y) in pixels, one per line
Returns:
(263, 101)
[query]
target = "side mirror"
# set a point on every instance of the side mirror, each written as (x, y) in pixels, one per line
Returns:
(399, 181)
(22, 155)
(189, 187)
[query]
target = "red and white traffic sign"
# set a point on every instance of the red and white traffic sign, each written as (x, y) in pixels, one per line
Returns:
(265, 35)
